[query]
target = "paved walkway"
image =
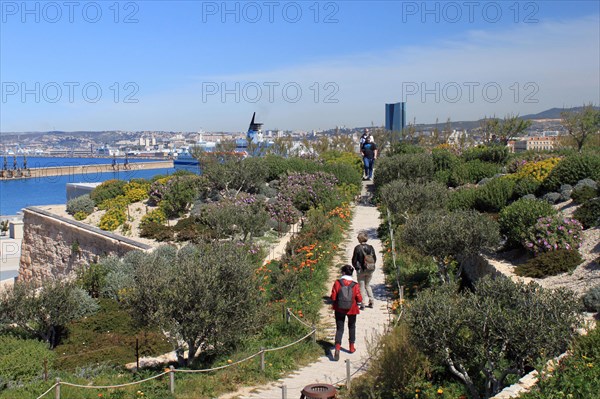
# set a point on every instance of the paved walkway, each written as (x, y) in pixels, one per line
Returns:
(370, 322)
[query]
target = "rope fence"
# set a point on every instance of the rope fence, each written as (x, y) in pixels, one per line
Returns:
(172, 370)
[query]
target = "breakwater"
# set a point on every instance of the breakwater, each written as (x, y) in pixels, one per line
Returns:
(9, 174)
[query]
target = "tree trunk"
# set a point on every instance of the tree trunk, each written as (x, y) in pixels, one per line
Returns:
(191, 352)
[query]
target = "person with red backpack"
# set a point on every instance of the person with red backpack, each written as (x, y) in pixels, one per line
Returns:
(345, 295)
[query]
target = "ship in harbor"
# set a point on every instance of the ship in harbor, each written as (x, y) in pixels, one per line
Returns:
(254, 138)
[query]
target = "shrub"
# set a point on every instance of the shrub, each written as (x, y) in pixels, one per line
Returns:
(538, 170)
(157, 190)
(80, 215)
(107, 190)
(92, 279)
(516, 219)
(582, 194)
(180, 193)
(407, 167)
(83, 204)
(444, 159)
(155, 231)
(589, 213)
(310, 190)
(481, 335)
(44, 312)
(572, 169)
(550, 264)
(22, 360)
(196, 295)
(155, 216)
(462, 198)
(591, 299)
(411, 198)
(441, 234)
(112, 219)
(495, 154)
(404, 148)
(494, 195)
(136, 191)
(119, 201)
(551, 233)
(526, 185)
(471, 172)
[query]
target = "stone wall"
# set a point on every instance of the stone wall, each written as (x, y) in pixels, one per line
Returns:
(55, 247)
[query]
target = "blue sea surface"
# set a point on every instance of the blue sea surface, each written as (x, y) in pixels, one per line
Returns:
(21, 193)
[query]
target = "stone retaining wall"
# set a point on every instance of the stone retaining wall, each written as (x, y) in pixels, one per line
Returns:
(55, 247)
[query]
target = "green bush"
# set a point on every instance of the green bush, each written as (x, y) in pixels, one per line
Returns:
(92, 279)
(113, 218)
(462, 199)
(407, 167)
(412, 198)
(471, 172)
(495, 154)
(82, 204)
(155, 231)
(516, 219)
(550, 264)
(494, 195)
(582, 194)
(155, 216)
(444, 159)
(589, 213)
(180, 193)
(591, 299)
(22, 360)
(526, 185)
(572, 169)
(485, 335)
(404, 148)
(107, 190)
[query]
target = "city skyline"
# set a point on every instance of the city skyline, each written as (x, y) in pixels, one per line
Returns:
(300, 66)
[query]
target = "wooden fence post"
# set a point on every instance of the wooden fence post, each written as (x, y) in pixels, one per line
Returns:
(348, 374)
(314, 334)
(262, 359)
(57, 389)
(172, 379)
(283, 392)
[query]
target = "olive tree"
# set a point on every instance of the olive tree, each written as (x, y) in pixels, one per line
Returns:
(442, 234)
(203, 297)
(44, 311)
(500, 328)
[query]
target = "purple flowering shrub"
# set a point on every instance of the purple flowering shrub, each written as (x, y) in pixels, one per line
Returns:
(282, 210)
(310, 190)
(552, 233)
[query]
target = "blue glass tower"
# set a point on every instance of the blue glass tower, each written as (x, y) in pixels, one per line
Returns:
(395, 117)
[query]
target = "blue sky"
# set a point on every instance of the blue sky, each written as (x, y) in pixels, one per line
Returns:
(191, 65)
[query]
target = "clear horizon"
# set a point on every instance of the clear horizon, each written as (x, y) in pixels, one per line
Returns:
(205, 65)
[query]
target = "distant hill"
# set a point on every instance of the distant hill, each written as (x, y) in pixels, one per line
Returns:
(552, 113)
